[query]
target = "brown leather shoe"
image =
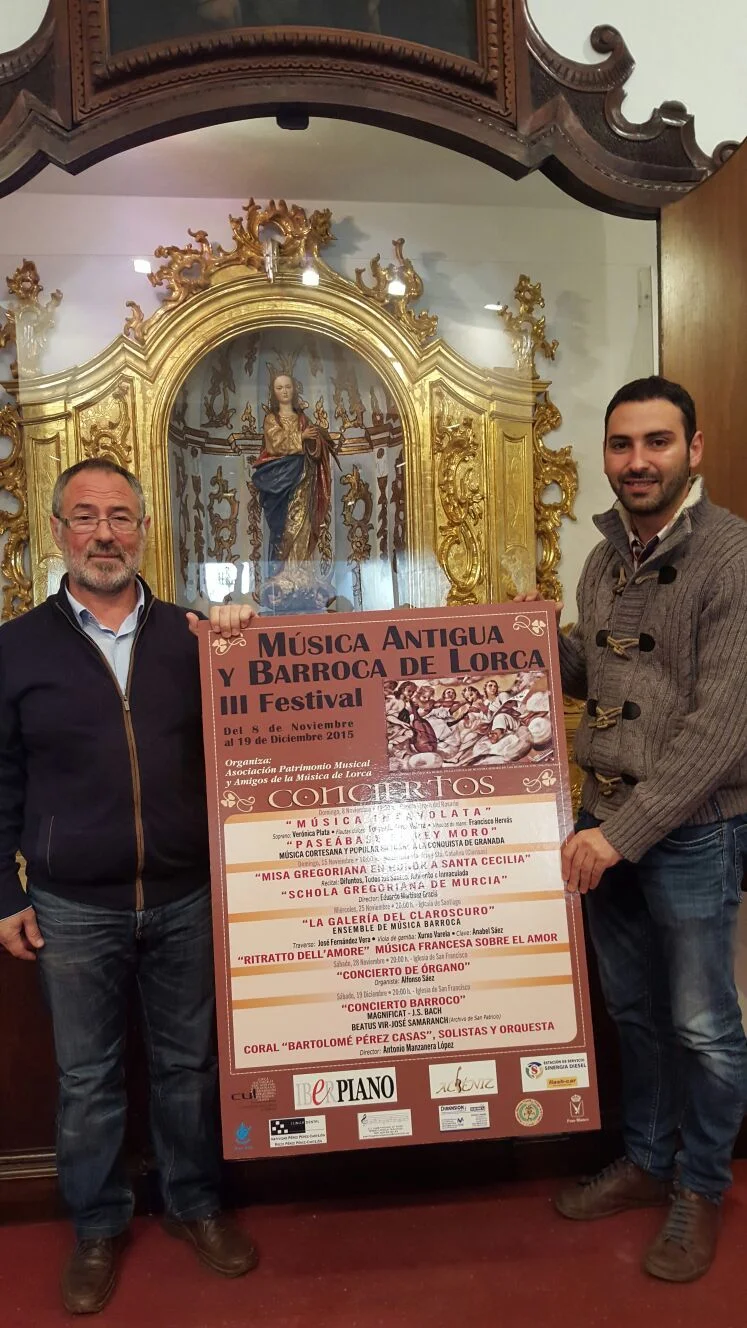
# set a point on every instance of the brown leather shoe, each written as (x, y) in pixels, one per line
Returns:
(619, 1186)
(218, 1241)
(686, 1244)
(90, 1274)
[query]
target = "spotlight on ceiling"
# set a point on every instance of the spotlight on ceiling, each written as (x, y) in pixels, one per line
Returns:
(142, 265)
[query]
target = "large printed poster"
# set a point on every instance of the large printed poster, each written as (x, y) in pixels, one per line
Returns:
(397, 961)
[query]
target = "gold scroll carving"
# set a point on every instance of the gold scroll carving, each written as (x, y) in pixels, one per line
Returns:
(106, 427)
(28, 320)
(359, 525)
(25, 324)
(190, 268)
(14, 522)
(460, 488)
(223, 526)
(527, 330)
(134, 324)
(551, 467)
(423, 325)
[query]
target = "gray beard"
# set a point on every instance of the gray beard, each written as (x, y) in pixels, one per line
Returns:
(109, 580)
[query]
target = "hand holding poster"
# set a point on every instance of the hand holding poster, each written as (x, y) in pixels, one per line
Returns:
(397, 959)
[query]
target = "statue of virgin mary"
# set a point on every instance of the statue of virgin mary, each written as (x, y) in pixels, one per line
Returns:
(292, 476)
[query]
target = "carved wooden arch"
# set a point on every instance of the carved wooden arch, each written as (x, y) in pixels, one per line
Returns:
(64, 98)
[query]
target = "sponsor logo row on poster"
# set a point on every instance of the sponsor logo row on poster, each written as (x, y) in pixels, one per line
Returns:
(457, 1080)
(464, 1081)
(296, 1130)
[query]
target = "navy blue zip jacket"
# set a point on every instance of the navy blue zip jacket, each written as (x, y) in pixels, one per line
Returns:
(104, 794)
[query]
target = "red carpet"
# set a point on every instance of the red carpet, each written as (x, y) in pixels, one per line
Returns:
(463, 1260)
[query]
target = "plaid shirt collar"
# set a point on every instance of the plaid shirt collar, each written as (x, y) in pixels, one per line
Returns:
(640, 552)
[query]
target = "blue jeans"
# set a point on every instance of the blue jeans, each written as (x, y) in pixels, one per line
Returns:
(664, 931)
(91, 959)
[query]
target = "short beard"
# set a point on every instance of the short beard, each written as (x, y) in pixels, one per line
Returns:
(103, 579)
(661, 499)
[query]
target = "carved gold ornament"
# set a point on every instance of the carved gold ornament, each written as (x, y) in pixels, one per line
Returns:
(400, 510)
(357, 506)
(24, 325)
(222, 384)
(324, 547)
(254, 523)
(460, 488)
(14, 521)
(134, 324)
(182, 504)
(320, 415)
(106, 428)
(529, 339)
(422, 325)
(350, 415)
(188, 269)
(185, 270)
(551, 468)
(249, 429)
(198, 510)
(573, 711)
(527, 331)
(223, 526)
(27, 321)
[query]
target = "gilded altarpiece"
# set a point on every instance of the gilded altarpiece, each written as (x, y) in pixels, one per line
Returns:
(440, 478)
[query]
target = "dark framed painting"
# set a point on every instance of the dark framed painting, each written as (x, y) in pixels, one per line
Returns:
(445, 25)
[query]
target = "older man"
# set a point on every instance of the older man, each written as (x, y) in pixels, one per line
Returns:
(658, 654)
(102, 788)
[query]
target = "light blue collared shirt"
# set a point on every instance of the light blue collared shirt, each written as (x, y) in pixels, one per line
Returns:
(116, 647)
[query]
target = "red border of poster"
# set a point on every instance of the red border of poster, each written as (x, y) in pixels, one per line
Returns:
(396, 959)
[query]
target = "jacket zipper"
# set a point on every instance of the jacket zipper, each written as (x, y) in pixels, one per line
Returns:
(131, 747)
(49, 848)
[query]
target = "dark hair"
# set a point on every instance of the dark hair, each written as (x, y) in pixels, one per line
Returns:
(274, 403)
(94, 463)
(656, 389)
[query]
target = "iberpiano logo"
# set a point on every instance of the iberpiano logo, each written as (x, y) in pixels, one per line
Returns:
(344, 1090)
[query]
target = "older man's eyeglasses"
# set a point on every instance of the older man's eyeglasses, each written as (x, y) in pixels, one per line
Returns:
(119, 524)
